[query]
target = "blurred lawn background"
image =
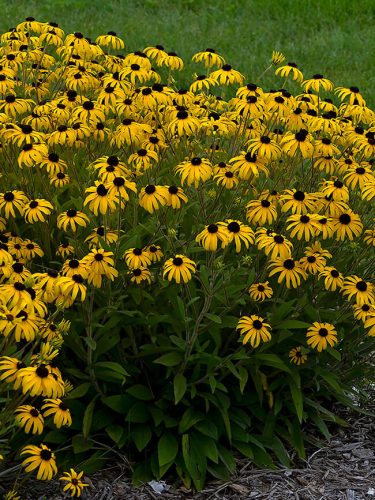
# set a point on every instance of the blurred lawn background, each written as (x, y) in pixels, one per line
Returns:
(332, 37)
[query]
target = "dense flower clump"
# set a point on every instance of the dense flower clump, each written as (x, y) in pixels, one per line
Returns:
(115, 179)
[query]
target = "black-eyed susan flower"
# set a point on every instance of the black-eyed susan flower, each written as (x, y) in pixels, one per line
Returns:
(10, 368)
(137, 258)
(335, 190)
(298, 143)
(226, 75)
(265, 148)
(18, 272)
(110, 40)
(74, 266)
(143, 159)
(260, 291)
(321, 335)
(277, 57)
(176, 197)
(370, 324)
(247, 165)
(202, 82)
(369, 237)
(209, 57)
(100, 199)
(211, 235)
(347, 225)
(157, 53)
(352, 94)
(74, 484)
(297, 201)
(40, 381)
(72, 219)
(290, 69)
(179, 268)
(184, 123)
(72, 287)
(274, 245)
(289, 271)
(100, 263)
(60, 180)
(101, 234)
(172, 61)
(139, 275)
(358, 176)
(30, 419)
(226, 178)
(41, 458)
(152, 197)
(313, 263)
(297, 355)
(333, 279)
(37, 210)
(64, 250)
(356, 288)
(363, 311)
(30, 250)
(317, 83)
(194, 171)
(11, 200)
(155, 252)
(368, 191)
(254, 330)
(59, 411)
(260, 212)
(304, 226)
(239, 233)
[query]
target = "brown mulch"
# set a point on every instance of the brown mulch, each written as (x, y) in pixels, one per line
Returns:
(343, 469)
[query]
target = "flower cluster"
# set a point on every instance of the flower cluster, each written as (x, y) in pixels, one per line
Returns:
(112, 177)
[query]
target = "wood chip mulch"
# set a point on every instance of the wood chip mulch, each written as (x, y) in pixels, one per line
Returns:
(343, 469)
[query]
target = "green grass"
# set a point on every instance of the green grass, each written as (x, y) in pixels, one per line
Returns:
(332, 37)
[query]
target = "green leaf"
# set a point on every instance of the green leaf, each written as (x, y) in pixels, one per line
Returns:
(80, 444)
(90, 342)
(138, 413)
(321, 425)
(330, 378)
(297, 439)
(244, 448)
(291, 324)
(208, 428)
(55, 437)
(167, 449)
(79, 391)
(140, 391)
(116, 433)
(227, 458)
(180, 307)
(214, 318)
(179, 386)
(244, 376)
(170, 359)
(297, 397)
(120, 403)
(141, 435)
(206, 446)
(334, 353)
(111, 365)
(189, 418)
(87, 418)
(272, 360)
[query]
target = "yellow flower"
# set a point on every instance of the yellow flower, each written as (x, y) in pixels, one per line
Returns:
(179, 268)
(41, 458)
(74, 484)
(254, 329)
